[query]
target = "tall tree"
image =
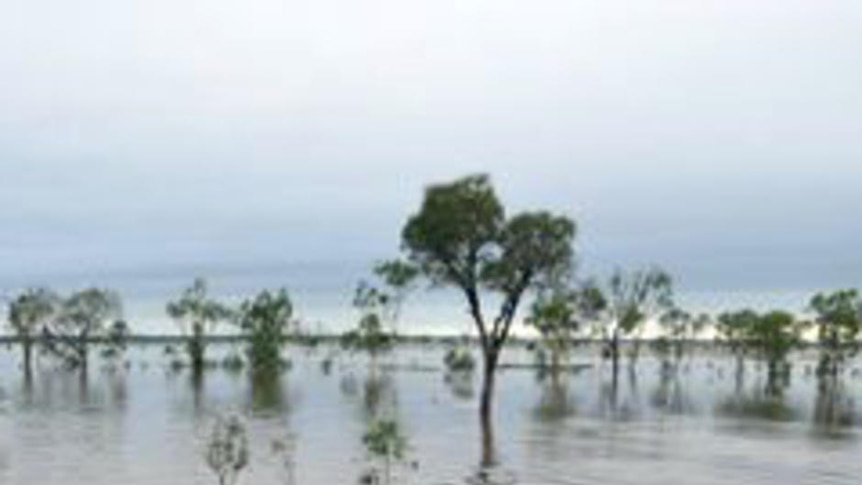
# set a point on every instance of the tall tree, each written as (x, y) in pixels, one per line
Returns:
(195, 311)
(83, 317)
(838, 319)
(29, 313)
(461, 238)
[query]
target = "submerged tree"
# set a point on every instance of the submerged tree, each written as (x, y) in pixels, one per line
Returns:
(558, 315)
(195, 309)
(397, 279)
(771, 337)
(115, 341)
(266, 320)
(838, 321)
(681, 328)
(632, 300)
(379, 304)
(83, 317)
(732, 331)
(28, 315)
(370, 335)
(386, 444)
(462, 238)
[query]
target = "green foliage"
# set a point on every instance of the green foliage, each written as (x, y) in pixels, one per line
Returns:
(81, 317)
(399, 278)
(266, 320)
(629, 302)
(384, 443)
(195, 309)
(554, 315)
(681, 328)
(31, 310)
(838, 321)
(634, 298)
(460, 237)
(769, 336)
(369, 336)
(384, 439)
(459, 359)
(378, 304)
(733, 328)
(227, 450)
(116, 340)
(28, 315)
(774, 335)
(452, 235)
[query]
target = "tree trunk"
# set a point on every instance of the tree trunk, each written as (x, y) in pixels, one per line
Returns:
(196, 347)
(615, 355)
(27, 343)
(486, 407)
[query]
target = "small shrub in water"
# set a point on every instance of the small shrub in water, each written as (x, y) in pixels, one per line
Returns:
(227, 450)
(459, 359)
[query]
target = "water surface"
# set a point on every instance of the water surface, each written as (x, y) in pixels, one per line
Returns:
(706, 425)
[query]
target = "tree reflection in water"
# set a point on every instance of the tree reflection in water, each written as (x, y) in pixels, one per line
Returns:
(834, 408)
(461, 385)
(555, 402)
(267, 392)
(766, 401)
(671, 395)
(379, 396)
(614, 407)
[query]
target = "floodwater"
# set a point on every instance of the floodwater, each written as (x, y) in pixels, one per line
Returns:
(148, 424)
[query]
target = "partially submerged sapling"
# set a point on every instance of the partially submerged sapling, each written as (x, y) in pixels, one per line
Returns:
(227, 450)
(386, 446)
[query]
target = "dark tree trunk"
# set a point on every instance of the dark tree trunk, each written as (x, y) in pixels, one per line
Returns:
(615, 355)
(486, 407)
(27, 344)
(196, 348)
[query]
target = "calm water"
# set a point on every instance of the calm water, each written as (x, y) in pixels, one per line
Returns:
(148, 424)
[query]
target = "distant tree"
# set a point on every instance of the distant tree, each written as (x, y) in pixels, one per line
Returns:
(733, 331)
(633, 299)
(379, 304)
(681, 328)
(267, 320)
(398, 279)
(838, 319)
(196, 310)
(116, 340)
(370, 335)
(462, 238)
(29, 313)
(772, 337)
(559, 314)
(81, 318)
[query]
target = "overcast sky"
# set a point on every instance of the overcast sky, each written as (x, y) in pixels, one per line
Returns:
(720, 139)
